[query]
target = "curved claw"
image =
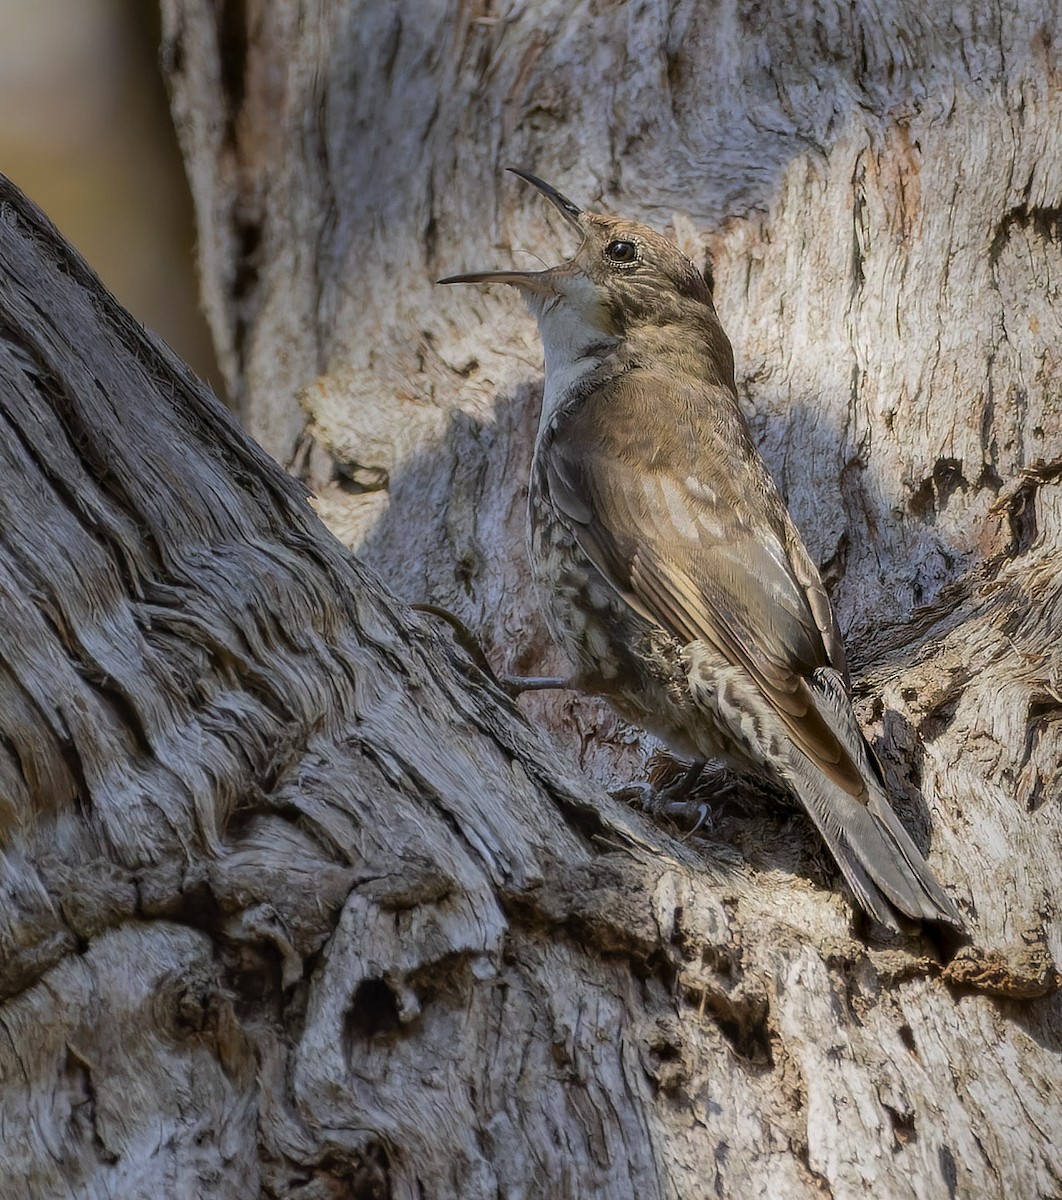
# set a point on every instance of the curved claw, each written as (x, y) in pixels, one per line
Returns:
(511, 685)
(464, 637)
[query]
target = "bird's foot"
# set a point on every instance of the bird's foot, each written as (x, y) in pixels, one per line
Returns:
(515, 684)
(512, 685)
(675, 800)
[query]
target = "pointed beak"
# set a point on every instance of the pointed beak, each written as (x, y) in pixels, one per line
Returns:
(533, 281)
(569, 211)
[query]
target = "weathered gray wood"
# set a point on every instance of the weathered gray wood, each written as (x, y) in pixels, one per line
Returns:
(426, 956)
(877, 188)
(218, 734)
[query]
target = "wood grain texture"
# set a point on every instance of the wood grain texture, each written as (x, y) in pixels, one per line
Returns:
(877, 189)
(446, 964)
(218, 735)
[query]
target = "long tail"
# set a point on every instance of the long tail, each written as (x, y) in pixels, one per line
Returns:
(875, 853)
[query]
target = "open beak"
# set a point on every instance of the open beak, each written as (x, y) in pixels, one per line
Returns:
(535, 281)
(569, 211)
(528, 279)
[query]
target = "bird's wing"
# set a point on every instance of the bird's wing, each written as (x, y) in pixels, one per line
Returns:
(666, 495)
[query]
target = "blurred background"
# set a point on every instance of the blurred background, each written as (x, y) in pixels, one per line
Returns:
(85, 132)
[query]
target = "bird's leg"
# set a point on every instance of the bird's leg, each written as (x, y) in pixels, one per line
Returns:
(515, 684)
(673, 800)
(681, 788)
(512, 685)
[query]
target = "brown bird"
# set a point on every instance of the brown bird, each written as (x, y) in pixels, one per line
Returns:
(669, 569)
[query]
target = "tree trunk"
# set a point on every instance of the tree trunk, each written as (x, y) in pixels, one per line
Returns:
(296, 903)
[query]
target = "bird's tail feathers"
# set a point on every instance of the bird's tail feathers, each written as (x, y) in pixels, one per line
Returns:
(876, 855)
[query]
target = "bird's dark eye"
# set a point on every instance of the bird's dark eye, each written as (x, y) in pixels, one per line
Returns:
(621, 252)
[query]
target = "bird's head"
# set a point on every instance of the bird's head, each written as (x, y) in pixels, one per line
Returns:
(624, 275)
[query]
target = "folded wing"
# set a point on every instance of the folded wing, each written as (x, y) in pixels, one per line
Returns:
(688, 527)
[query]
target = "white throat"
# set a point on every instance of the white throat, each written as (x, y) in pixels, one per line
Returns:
(573, 347)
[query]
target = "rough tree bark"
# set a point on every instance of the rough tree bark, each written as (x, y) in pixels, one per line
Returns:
(296, 903)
